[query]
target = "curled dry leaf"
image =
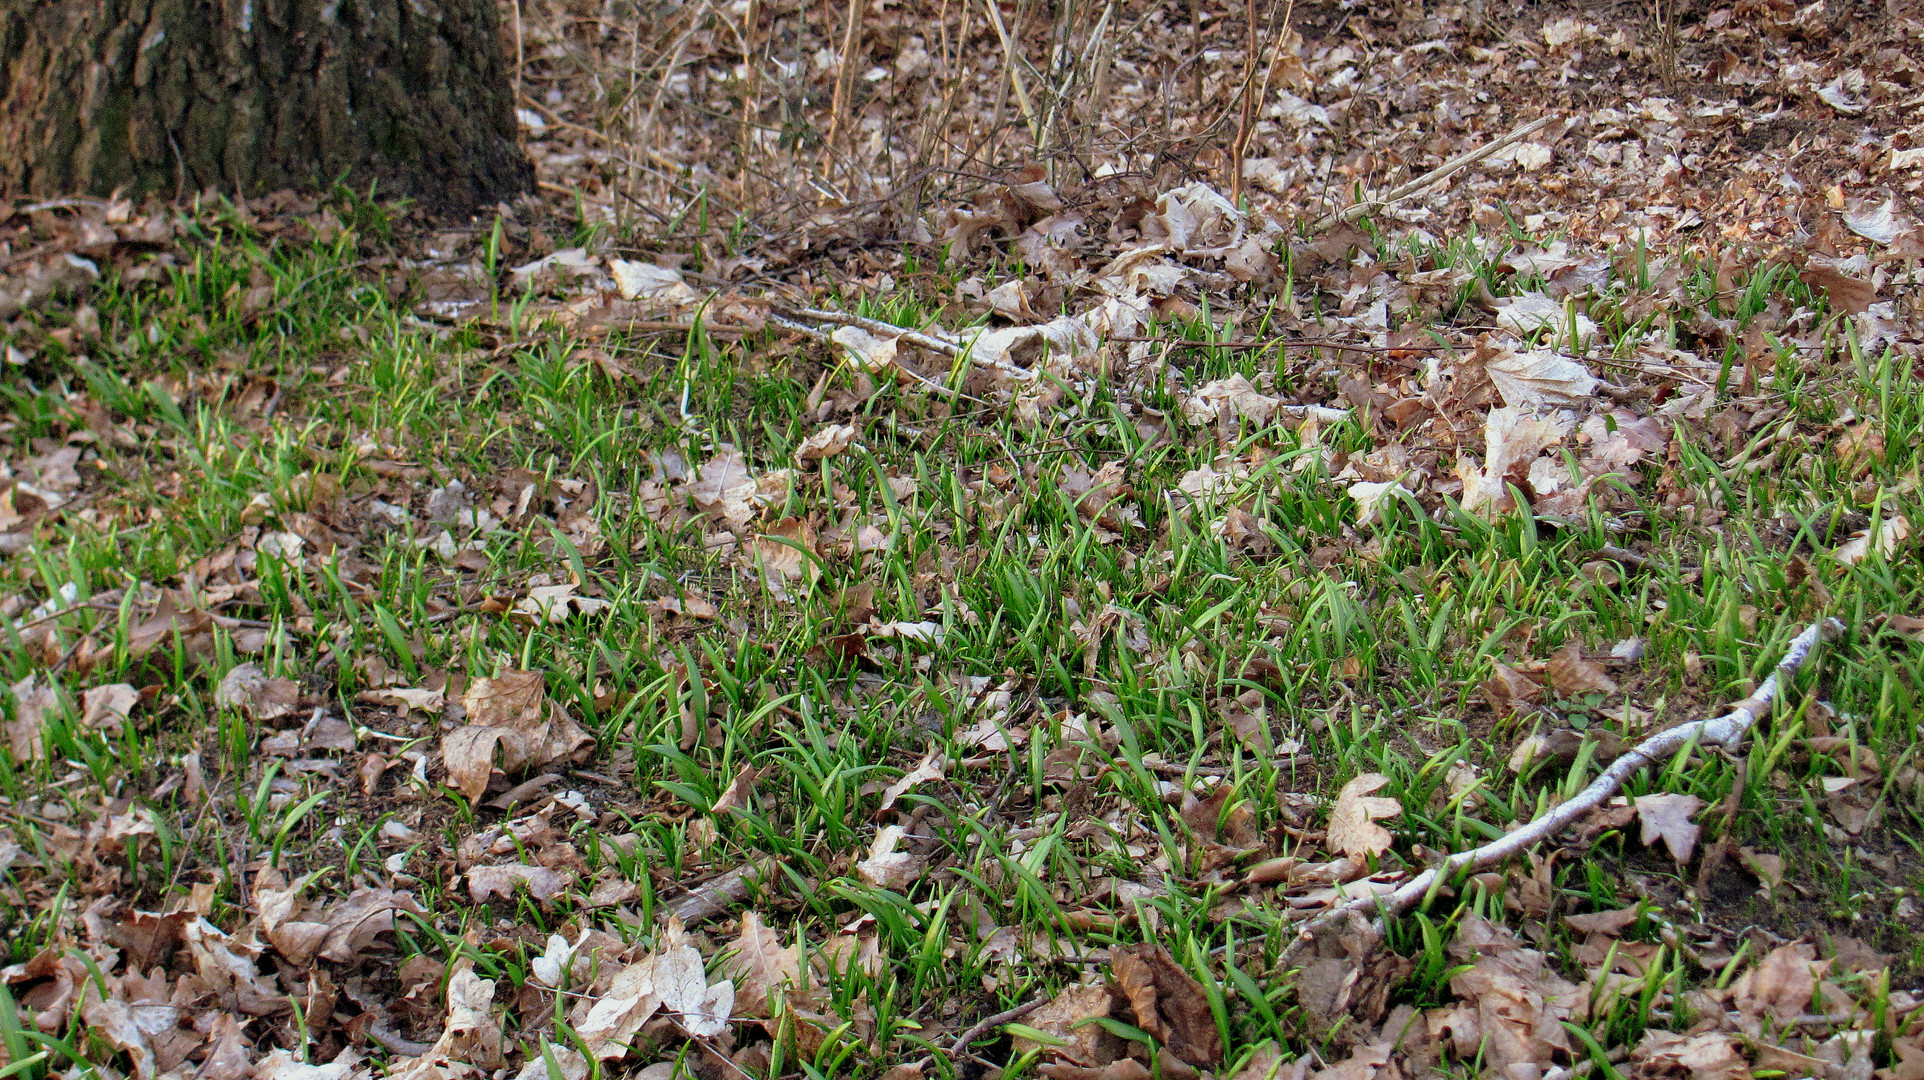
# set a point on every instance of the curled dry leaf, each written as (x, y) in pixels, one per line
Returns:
(1369, 498)
(553, 604)
(1229, 400)
(31, 704)
(511, 712)
(1882, 538)
(680, 979)
(786, 554)
(1844, 292)
(247, 688)
(1769, 868)
(1710, 1055)
(1541, 378)
(825, 443)
(109, 706)
(931, 767)
(646, 281)
(471, 1039)
(490, 881)
(1168, 1002)
(1352, 820)
(886, 867)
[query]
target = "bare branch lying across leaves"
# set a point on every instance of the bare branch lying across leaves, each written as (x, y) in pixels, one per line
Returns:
(1728, 729)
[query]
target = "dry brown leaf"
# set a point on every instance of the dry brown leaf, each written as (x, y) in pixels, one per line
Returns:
(1570, 674)
(1269, 1062)
(1845, 293)
(1780, 986)
(827, 442)
(680, 979)
(886, 867)
(784, 555)
(1513, 440)
(613, 1019)
(1123, 1069)
(1882, 539)
(541, 882)
(31, 704)
(1711, 1055)
(1541, 378)
(1509, 691)
(1168, 1003)
(761, 967)
(281, 1064)
(931, 767)
(110, 706)
(247, 688)
(1086, 1044)
(740, 792)
(1667, 817)
(510, 712)
(1910, 1060)
(1205, 817)
(1513, 1000)
(1352, 826)
(471, 1038)
(1769, 868)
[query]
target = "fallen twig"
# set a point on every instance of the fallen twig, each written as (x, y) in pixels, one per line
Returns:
(713, 897)
(961, 1045)
(1436, 175)
(1726, 730)
(802, 328)
(879, 328)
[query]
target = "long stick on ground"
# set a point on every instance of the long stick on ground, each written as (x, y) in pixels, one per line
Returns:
(913, 337)
(1437, 175)
(1726, 730)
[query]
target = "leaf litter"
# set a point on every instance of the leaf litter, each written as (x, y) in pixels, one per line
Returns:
(1524, 404)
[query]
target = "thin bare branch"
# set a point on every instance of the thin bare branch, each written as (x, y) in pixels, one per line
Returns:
(1434, 176)
(1728, 729)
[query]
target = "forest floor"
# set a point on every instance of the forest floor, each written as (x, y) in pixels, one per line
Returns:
(595, 639)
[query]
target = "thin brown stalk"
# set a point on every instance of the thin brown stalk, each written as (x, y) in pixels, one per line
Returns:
(1434, 176)
(519, 55)
(647, 128)
(1012, 61)
(844, 78)
(1246, 119)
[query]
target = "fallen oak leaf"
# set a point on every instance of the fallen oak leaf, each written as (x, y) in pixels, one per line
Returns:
(1352, 826)
(1068, 1018)
(489, 881)
(510, 712)
(1844, 292)
(1667, 817)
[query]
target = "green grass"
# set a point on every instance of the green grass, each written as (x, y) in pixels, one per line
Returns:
(1366, 646)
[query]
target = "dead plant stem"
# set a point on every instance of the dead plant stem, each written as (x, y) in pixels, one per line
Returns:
(1434, 176)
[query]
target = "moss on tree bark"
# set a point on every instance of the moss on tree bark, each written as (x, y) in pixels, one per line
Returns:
(174, 96)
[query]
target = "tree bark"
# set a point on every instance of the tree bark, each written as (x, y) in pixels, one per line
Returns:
(249, 96)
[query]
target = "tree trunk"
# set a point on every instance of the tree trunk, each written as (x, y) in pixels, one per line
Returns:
(249, 96)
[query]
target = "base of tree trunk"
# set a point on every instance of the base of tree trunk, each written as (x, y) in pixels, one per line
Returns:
(249, 96)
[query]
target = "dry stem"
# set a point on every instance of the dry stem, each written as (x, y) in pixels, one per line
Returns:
(1436, 175)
